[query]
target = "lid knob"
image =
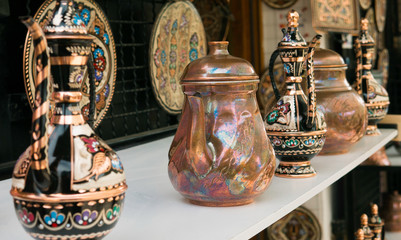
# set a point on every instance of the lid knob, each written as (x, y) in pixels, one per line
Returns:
(364, 24)
(292, 18)
(218, 48)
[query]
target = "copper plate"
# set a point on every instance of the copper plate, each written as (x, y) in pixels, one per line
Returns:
(215, 17)
(280, 4)
(335, 16)
(103, 50)
(365, 4)
(373, 32)
(298, 224)
(178, 38)
(380, 14)
(383, 66)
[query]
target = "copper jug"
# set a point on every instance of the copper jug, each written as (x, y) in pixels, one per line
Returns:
(69, 184)
(344, 110)
(295, 127)
(220, 155)
(375, 96)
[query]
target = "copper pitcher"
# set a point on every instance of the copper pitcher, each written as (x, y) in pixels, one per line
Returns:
(375, 96)
(344, 110)
(220, 155)
(295, 127)
(69, 184)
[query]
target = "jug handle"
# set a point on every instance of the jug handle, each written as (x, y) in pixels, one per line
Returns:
(361, 86)
(40, 121)
(273, 57)
(92, 91)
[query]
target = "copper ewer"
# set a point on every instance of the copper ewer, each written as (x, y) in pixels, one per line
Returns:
(344, 110)
(375, 96)
(220, 155)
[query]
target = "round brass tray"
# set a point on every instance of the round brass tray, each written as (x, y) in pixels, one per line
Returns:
(178, 38)
(104, 55)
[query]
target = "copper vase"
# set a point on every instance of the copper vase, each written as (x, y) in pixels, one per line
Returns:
(220, 155)
(344, 110)
(375, 96)
(69, 184)
(294, 125)
(392, 212)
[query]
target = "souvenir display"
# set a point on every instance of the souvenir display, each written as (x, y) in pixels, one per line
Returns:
(215, 16)
(335, 16)
(392, 212)
(178, 38)
(375, 96)
(380, 14)
(339, 103)
(365, 4)
(373, 33)
(367, 232)
(68, 184)
(265, 94)
(279, 4)
(220, 155)
(298, 224)
(295, 127)
(103, 51)
(376, 223)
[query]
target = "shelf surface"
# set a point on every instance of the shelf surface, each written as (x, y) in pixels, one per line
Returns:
(154, 210)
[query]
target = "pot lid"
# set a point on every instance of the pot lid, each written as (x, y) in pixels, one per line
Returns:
(326, 58)
(218, 66)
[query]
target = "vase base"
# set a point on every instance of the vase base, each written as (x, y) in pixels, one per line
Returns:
(295, 170)
(221, 204)
(372, 130)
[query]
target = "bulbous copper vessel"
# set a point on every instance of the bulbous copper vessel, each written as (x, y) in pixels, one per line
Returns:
(375, 96)
(344, 110)
(294, 125)
(392, 212)
(220, 155)
(69, 184)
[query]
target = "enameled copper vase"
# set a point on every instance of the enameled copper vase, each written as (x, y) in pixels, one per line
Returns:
(69, 184)
(295, 127)
(376, 223)
(344, 110)
(367, 232)
(375, 96)
(220, 155)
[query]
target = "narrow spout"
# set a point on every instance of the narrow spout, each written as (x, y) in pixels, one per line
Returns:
(201, 154)
(311, 118)
(40, 121)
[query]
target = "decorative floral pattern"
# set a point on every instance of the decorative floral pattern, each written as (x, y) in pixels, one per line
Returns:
(54, 219)
(92, 144)
(279, 113)
(25, 216)
(86, 217)
(292, 143)
(113, 213)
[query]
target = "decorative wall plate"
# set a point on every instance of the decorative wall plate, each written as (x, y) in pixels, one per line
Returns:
(299, 224)
(365, 4)
(280, 4)
(380, 14)
(215, 17)
(373, 32)
(335, 16)
(383, 65)
(265, 94)
(104, 54)
(178, 38)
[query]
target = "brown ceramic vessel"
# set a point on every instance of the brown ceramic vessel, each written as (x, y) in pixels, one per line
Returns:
(344, 110)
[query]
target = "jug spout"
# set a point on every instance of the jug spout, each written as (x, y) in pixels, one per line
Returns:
(311, 118)
(201, 154)
(40, 121)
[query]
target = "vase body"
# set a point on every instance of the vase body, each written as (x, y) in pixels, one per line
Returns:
(344, 110)
(375, 95)
(69, 184)
(294, 125)
(220, 155)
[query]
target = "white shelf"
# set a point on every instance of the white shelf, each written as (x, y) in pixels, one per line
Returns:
(154, 210)
(393, 235)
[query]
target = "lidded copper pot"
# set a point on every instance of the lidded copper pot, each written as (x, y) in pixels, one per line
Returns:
(344, 110)
(220, 155)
